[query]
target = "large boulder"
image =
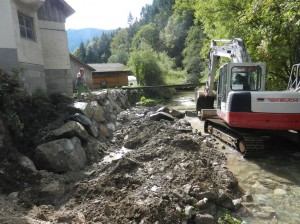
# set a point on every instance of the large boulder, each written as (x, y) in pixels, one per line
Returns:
(99, 112)
(60, 156)
(90, 126)
(94, 150)
(161, 116)
(69, 130)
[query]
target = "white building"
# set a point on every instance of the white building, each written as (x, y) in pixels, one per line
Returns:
(33, 37)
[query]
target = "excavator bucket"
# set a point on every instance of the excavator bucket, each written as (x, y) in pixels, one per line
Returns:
(205, 105)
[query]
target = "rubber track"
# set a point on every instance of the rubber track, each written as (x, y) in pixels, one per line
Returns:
(254, 144)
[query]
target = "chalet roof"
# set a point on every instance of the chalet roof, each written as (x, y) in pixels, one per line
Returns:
(81, 62)
(68, 10)
(54, 10)
(110, 67)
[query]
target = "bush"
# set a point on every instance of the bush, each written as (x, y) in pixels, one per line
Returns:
(8, 84)
(226, 218)
(147, 102)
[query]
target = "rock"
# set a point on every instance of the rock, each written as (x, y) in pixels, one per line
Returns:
(83, 108)
(111, 118)
(51, 188)
(279, 192)
(99, 112)
(191, 113)
(163, 109)
(204, 219)
(107, 210)
(247, 198)
(71, 129)
(93, 130)
(177, 114)
(117, 107)
(212, 196)
(27, 163)
(208, 143)
(82, 119)
(187, 188)
(108, 107)
(112, 95)
(225, 201)
(132, 143)
(184, 122)
(161, 115)
(94, 150)
(62, 155)
(80, 218)
(266, 212)
(237, 203)
(111, 127)
(190, 212)
(13, 196)
(202, 203)
(103, 130)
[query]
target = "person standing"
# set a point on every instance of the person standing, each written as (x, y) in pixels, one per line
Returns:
(81, 84)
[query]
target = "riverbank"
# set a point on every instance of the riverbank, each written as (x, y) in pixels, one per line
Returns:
(152, 170)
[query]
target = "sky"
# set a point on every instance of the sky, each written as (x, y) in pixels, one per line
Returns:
(103, 14)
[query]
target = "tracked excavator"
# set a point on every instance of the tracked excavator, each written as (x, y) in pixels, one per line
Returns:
(241, 112)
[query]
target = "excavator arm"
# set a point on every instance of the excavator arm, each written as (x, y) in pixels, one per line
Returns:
(233, 49)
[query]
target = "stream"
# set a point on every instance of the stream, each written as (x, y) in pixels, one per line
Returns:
(273, 181)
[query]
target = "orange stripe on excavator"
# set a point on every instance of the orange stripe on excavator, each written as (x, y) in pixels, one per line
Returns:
(263, 121)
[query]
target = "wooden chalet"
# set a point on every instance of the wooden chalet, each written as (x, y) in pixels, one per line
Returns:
(110, 75)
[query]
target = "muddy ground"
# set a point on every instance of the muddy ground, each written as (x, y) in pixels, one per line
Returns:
(167, 174)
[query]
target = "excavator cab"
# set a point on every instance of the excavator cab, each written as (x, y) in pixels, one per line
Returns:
(239, 77)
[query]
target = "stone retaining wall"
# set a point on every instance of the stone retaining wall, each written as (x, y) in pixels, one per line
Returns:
(91, 122)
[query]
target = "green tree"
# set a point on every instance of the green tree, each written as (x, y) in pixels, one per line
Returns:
(91, 52)
(193, 62)
(149, 34)
(269, 29)
(177, 28)
(119, 47)
(275, 36)
(121, 55)
(158, 13)
(144, 64)
(80, 52)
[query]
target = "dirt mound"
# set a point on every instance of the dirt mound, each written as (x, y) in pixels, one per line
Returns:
(163, 178)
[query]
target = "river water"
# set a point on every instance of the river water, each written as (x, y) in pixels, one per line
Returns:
(273, 181)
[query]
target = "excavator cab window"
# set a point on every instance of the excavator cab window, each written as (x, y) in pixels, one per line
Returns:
(245, 78)
(294, 81)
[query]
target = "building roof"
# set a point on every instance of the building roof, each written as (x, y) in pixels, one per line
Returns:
(68, 10)
(110, 67)
(81, 62)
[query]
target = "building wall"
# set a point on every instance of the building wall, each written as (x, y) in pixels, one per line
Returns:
(59, 81)
(29, 51)
(111, 80)
(56, 57)
(45, 56)
(55, 48)
(8, 46)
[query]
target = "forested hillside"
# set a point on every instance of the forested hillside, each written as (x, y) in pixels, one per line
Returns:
(170, 42)
(75, 37)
